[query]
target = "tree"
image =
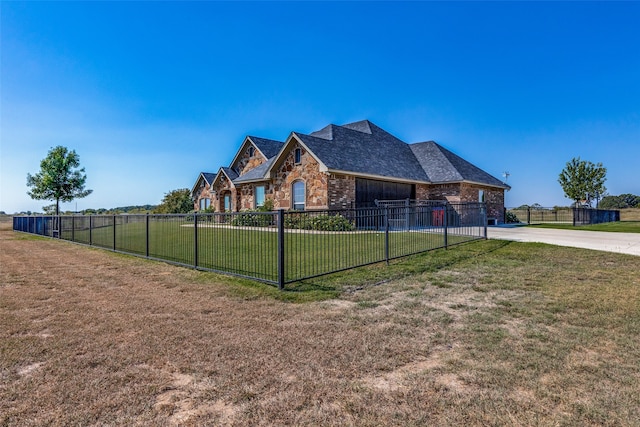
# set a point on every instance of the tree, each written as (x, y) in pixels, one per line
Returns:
(176, 201)
(59, 178)
(583, 180)
(622, 201)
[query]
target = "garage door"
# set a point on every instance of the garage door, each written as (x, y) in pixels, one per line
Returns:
(370, 190)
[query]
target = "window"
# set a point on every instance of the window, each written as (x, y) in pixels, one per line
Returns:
(298, 195)
(205, 204)
(252, 151)
(481, 196)
(227, 203)
(259, 196)
(297, 156)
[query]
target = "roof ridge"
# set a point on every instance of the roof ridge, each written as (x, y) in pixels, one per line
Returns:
(363, 126)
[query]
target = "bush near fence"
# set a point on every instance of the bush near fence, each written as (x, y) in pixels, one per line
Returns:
(275, 247)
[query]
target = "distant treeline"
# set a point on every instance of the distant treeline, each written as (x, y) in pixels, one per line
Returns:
(622, 201)
(138, 209)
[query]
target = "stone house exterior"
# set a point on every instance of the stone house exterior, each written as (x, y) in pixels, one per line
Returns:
(341, 167)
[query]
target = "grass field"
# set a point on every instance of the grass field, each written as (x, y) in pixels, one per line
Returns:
(486, 333)
(253, 252)
(630, 214)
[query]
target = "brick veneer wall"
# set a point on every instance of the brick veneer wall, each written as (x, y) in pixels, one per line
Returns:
(449, 192)
(423, 192)
(464, 192)
(492, 196)
(341, 191)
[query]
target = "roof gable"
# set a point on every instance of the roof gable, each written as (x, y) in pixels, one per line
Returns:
(364, 148)
(208, 178)
(228, 172)
(266, 147)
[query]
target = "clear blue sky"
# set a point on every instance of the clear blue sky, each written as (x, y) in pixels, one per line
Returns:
(151, 94)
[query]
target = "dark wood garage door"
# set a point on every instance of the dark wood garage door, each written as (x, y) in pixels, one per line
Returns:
(369, 190)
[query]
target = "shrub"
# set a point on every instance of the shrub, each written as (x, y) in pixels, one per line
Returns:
(304, 221)
(252, 219)
(511, 218)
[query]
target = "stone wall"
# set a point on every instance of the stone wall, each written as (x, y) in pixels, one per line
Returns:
(224, 186)
(308, 171)
(203, 191)
(247, 194)
(245, 162)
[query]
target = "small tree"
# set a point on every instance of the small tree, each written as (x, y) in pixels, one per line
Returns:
(176, 201)
(59, 178)
(583, 180)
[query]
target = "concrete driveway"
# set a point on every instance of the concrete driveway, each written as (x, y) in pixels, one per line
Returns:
(626, 243)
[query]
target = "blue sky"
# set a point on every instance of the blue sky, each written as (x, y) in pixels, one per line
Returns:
(150, 94)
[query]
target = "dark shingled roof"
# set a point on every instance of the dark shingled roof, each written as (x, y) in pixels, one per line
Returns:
(444, 166)
(209, 177)
(230, 173)
(256, 174)
(269, 147)
(364, 148)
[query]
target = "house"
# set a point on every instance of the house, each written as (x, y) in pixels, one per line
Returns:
(338, 167)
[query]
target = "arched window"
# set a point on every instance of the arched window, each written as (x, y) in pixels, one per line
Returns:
(297, 156)
(252, 151)
(297, 190)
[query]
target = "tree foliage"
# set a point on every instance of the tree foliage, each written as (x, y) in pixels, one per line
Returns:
(60, 178)
(622, 201)
(583, 180)
(176, 201)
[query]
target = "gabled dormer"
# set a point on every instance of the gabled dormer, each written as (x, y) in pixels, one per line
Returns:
(254, 152)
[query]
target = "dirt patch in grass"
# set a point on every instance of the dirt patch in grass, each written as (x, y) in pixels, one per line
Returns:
(492, 333)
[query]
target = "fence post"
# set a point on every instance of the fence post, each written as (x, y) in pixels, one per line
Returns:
(529, 216)
(114, 232)
(386, 234)
(281, 260)
(90, 230)
(146, 243)
(446, 226)
(73, 228)
(407, 217)
(574, 216)
(484, 218)
(195, 240)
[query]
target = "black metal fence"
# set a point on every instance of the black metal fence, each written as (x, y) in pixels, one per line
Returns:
(575, 216)
(277, 247)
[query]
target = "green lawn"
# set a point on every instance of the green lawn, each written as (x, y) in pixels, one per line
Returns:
(617, 227)
(254, 252)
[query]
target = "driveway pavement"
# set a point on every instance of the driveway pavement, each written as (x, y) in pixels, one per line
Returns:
(626, 243)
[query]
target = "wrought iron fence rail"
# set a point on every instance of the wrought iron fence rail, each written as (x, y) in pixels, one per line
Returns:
(274, 247)
(574, 216)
